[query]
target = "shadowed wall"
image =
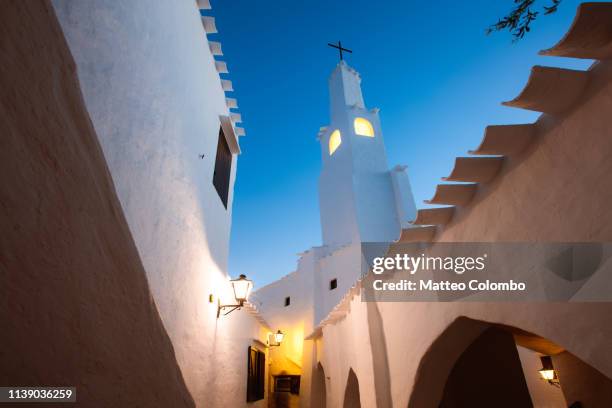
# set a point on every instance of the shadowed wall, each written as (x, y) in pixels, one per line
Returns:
(154, 96)
(487, 374)
(581, 382)
(75, 306)
(351, 394)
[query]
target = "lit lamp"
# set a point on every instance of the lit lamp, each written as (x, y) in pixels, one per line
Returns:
(548, 372)
(242, 288)
(278, 338)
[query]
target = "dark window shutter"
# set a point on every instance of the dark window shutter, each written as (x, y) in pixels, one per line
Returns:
(261, 375)
(223, 168)
(256, 370)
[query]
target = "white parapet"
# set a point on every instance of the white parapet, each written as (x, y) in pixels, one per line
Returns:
(209, 24)
(239, 131)
(203, 4)
(221, 67)
(215, 48)
(226, 84)
(551, 90)
(232, 103)
(236, 117)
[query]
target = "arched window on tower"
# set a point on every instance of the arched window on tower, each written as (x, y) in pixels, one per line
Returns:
(363, 127)
(334, 141)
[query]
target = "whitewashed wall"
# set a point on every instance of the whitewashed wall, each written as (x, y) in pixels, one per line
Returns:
(154, 96)
(344, 264)
(347, 346)
(295, 320)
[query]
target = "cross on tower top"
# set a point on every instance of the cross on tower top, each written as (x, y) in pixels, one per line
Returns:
(340, 49)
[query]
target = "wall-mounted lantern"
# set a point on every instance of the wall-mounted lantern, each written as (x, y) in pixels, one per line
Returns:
(548, 372)
(278, 338)
(242, 288)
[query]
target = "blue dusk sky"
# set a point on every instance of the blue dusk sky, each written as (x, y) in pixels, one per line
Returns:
(428, 65)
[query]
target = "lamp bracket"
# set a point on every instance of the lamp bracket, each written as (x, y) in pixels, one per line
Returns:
(231, 308)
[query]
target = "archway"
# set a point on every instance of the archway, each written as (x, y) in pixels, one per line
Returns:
(351, 394)
(477, 364)
(319, 393)
(487, 374)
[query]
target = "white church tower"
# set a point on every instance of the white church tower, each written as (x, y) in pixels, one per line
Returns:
(360, 199)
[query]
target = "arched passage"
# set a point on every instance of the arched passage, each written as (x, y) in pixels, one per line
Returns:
(475, 363)
(487, 373)
(351, 394)
(319, 393)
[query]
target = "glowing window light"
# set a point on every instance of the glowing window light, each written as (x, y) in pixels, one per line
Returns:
(334, 141)
(363, 127)
(547, 374)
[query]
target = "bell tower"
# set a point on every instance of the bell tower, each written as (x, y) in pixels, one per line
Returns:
(360, 199)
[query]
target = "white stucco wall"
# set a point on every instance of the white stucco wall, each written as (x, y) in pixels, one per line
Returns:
(343, 264)
(347, 346)
(309, 287)
(154, 96)
(410, 329)
(295, 320)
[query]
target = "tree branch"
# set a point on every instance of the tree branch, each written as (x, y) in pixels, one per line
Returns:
(518, 21)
